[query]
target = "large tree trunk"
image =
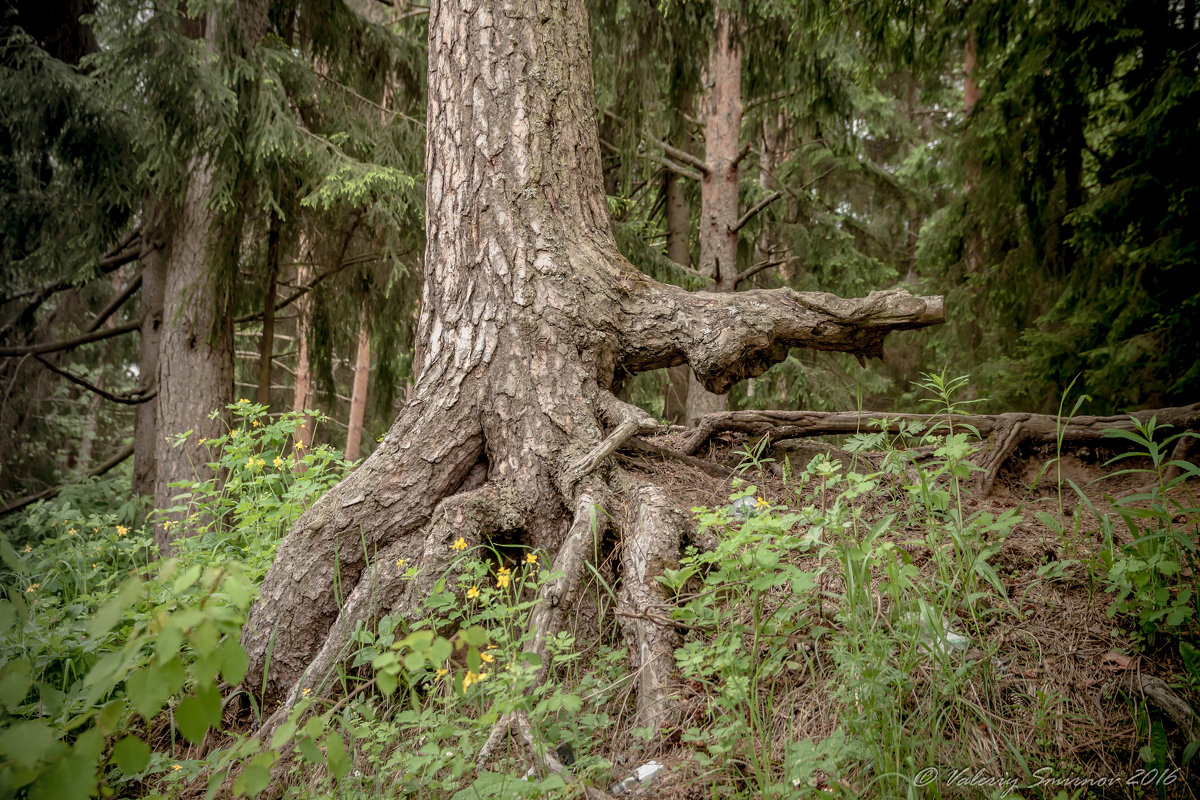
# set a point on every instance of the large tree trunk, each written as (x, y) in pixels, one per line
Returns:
(719, 188)
(195, 364)
(529, 316)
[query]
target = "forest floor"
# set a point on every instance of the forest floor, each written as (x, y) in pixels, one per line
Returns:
(1045, 695)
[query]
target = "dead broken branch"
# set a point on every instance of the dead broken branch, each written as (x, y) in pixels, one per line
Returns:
(1001, 434)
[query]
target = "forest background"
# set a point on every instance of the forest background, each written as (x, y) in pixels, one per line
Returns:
(189, 220)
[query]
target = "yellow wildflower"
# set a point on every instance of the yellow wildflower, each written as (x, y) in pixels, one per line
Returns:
(459, 544)
(72, 531)
(166, 524)
(401, 563)
(303, 425)
(299, 444)
(233, 434)
(471, 677)
(762, 501)
(28, 548)
(473, 592)
(306, 693)
(482, 676)
(243, 400)
(31, 587)
(530, 558)
(441, 673)
(202, 441)
(176, 767)
(95, 530)
(122, 530)
(95, 566)
(254, 422)
(261, 463)
(278, 462)
(487, 657)
(502, 581)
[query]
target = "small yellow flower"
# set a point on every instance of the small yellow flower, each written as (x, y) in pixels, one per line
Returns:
(72, 531)
(459, 544)
(95, 530)
(401, 563)
(260, 463)
(278, 462)
(303, 425)
(299, 444)
(243, 400)
(166, 524)
(122, 530)
(441, 673)
(176, 767)
(31, 587)
(487, 657)
(470, 678)
(202, 441)
(502, 581)
(306, 693)
(482, 676)
(28, 548)
(762, 501)
(473, 592)
(254, 422)
(530, 558)
(95, 566)
(233, 434)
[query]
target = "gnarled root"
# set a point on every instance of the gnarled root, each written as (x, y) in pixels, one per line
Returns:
(651, 544)
(384, 588)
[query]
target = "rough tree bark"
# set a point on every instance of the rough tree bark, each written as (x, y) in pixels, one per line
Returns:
(529, 317)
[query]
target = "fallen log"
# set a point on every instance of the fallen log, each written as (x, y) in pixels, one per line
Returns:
(1001, 434)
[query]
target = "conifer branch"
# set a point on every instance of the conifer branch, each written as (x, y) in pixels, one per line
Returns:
(103, 314)
(136, 397)
(757, 207)
(759, 267)
(675, 153)
(70, 344)
(745, 151)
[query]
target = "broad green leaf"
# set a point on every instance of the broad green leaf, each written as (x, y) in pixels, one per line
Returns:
(233, 661)
(27, 742)
(110, 613)
(131, 755)
(335, 754)
(149, 687)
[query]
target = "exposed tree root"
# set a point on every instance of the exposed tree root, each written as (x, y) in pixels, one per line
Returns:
(651, 545)
(1002, 434)
(385, 588)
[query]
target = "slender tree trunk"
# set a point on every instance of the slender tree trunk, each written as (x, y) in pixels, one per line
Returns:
(529, 317)
(719, 188)
(145, 415)
(679, 223)
(266, 345)
(973, 240)
(362, 378)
